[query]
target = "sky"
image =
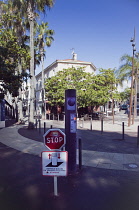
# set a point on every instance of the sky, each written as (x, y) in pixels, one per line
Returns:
(99, 31)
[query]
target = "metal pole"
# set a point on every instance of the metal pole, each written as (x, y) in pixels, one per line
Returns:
(138, 137)
(91, 124)
(101, 126)
(55, 186)
(36, 124)
(44, 127)
(39, 126)
(82, 122)
(123, 133)
(80, 153)
(58, 117)
(132, 83)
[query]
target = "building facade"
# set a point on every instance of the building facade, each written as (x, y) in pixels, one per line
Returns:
(52, 69)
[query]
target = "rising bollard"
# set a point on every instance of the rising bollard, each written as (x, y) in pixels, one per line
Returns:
(44, 127)
(36, 124)
(91, 123)
(102, 126)
(80, 153)
(70, 128)
(39, 126)
(123, 131)
(138, 137)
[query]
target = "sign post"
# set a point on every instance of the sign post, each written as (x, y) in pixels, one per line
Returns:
(70, 128)
(54, 163)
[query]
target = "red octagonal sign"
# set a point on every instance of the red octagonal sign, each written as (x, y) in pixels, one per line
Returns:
(54, 139)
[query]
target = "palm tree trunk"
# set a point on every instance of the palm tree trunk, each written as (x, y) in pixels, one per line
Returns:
(20, 96)
(131, 94)
(43, 90)
(32, 79)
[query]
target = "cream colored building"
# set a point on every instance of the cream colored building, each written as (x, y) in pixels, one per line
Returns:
(56, 66)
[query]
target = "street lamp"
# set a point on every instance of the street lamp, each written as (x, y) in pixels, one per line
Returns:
(136, 84)
(132, 82)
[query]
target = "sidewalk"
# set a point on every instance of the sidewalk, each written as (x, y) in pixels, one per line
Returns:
(101, 150)
(106, 180)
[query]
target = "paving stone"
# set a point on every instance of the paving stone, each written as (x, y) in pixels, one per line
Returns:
(104, 165)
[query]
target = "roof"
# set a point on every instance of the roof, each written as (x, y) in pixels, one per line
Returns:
(69, 61)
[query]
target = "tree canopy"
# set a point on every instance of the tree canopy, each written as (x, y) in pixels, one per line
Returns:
(11, 50)
(92, 90)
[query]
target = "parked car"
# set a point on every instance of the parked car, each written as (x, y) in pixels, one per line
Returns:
(123, 107)
(137, 109)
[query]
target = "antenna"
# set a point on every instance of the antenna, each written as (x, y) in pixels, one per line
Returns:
(72, 50)
(134, 34)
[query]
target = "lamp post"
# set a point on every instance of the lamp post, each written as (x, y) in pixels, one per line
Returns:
(132, 83)
(136, 85)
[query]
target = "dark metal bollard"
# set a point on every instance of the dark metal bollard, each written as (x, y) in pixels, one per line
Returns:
(82, 120)
(123, 129)
(39, 126)
(80, 153)
(138, 137)
(36, 124)
(91, 123)
(101, 125)
(44, 127)
(51, 126)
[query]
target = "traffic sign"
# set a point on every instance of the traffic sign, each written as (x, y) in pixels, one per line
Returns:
(54, 163)
(54, 139)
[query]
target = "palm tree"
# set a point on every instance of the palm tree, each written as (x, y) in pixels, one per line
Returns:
(44, 38)
(15, 24)
(31, 7)
(126, 72)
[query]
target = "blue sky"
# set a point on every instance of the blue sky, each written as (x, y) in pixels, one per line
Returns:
(98, 30)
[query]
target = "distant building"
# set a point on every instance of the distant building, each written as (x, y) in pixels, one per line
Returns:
(53, 68)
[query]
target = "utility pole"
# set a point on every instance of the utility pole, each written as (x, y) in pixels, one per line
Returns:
(132, 84)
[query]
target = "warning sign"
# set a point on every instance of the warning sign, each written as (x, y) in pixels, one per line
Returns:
(54, 163)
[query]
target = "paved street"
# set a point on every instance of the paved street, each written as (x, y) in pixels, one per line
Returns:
(109, 177)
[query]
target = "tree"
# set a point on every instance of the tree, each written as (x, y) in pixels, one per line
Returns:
(9, 53)
(92, 90)
(104, 85)
(44, 38)
(32, 8)
(125, 70)
(125, 95)
(128, 71)
(66, 79)
(12, 28)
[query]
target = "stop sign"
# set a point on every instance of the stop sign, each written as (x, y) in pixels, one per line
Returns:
(54, 139)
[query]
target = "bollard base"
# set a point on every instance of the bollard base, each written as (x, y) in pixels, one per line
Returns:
(31, 125)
